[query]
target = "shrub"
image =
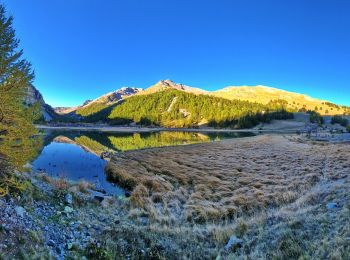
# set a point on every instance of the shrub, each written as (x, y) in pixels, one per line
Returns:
(340, 120)
(315, 117)
(139, 196)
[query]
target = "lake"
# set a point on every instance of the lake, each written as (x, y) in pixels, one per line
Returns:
(76, 155)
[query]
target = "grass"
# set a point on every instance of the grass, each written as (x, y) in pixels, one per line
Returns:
(187, 201)
(270, 191)
(218, 181)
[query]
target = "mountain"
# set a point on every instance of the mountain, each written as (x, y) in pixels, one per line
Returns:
(107, 107)
(259, 94)
(264, 95)
(33, 96)
(97, 105)
(175, 108)
(169, 84)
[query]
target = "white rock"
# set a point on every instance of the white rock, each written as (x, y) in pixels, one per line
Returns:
(20, 211)
(68, 198)
(68, 209)
(233, 242)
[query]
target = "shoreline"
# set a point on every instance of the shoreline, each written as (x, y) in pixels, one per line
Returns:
(159, 129)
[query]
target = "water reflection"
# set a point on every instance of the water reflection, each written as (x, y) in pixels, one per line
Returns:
(68, 160)
(18, 148)
(76, 154)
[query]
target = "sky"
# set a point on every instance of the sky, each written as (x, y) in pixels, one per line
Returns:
(82, 49)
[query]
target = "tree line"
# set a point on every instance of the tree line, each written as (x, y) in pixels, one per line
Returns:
(174, 108)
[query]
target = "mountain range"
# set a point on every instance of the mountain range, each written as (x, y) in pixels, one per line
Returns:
(101, 108)
(259, 94)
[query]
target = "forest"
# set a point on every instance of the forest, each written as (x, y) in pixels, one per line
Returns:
(174, 108)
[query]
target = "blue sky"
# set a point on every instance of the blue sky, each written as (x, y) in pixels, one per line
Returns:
(82, 49)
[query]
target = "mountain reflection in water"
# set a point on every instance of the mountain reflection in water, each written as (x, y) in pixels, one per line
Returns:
(76, 155)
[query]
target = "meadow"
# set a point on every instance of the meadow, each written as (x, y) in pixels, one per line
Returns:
(271, 190)
(217, 181)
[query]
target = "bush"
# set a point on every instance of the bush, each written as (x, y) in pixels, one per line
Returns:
(340, 120)
(315, 117)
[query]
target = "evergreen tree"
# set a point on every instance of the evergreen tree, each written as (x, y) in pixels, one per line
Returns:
(15, 76)
(16, 128)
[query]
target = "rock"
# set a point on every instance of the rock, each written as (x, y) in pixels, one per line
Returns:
(68, 199)
(234, 243)
(99, 198)
(68, 209)
(107, 202)
(332, 205)
(28, 166)
(51, 243)
(20, 211)
(32, 97)
(58, 250)
(69, 246)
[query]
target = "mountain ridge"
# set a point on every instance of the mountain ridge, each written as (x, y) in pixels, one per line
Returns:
(259, 93)
(103, 101)
(34, 96)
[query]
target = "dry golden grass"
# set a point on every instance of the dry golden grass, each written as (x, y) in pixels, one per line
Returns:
(222, 181)
(263, 94)
(83, 186)
(60, 183)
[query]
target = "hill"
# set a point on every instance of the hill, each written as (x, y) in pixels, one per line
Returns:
(90, 108)
(296, 101)
(100, 109)
(174, 108)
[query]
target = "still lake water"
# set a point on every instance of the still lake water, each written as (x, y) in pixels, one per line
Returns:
(75, 155)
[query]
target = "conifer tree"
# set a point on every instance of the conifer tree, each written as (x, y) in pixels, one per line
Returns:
(15, 76)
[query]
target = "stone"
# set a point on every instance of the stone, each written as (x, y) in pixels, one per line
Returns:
(99, 198)
(68, 209)
(332, 205)
(28, 166)
(69, 246)
(51, 243)
(234, 243)
(58, 250)
(20, 211)
(68, 198)
(107, 202)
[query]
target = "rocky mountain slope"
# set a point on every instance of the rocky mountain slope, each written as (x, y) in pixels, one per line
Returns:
(169, 84)
(100, 108)
(33, 96)
(100, 103)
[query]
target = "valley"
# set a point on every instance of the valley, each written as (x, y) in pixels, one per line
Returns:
(258, 192)
(121, 106)
(158, 169)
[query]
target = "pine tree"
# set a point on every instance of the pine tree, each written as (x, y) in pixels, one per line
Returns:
(15, 76)
(16, 129)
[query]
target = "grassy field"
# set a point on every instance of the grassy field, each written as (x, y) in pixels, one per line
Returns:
(269, 190)
(218, 181)
(283, 197)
